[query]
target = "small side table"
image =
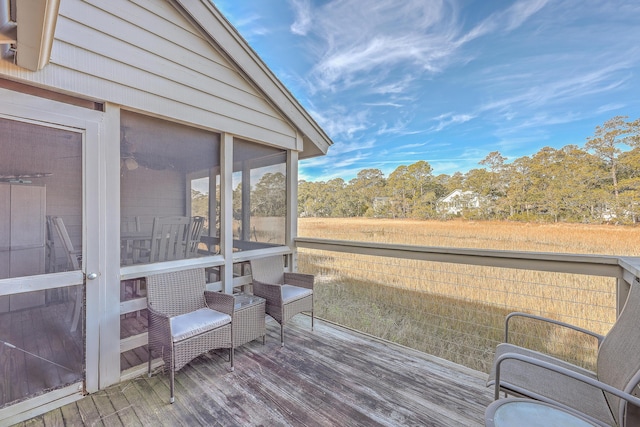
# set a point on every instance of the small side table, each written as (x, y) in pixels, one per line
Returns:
(517, 412)
(248, 319)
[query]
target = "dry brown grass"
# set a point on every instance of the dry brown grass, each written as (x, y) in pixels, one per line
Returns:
(457, 311)
(515, 236)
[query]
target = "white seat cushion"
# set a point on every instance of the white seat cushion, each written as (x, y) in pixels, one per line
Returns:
(197, 322)
(292, 293)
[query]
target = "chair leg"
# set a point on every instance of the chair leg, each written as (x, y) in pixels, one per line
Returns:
(312, 320)
(281, 335)
(149, 354)
(231, 357)
(171, 375)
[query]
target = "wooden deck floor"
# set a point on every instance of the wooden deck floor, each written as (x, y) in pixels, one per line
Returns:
(329, 377)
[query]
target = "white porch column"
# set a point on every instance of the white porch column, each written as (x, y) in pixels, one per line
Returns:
(291, 231)
(226, 211)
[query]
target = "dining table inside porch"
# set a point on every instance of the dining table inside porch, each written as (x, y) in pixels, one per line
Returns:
(131, 243)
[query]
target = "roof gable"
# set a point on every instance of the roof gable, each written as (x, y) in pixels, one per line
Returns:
(226, 38)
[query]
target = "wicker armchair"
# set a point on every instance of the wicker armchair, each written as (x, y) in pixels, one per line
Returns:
(185, 320)
(287, 294)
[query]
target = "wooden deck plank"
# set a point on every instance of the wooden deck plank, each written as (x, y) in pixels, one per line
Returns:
(155, 394)
(145, 414)
(108, 413)
(71, 415)
(53, 418)
(89, 411)
(305, 396)
(35, 422)
(329, 377)
(123, 409)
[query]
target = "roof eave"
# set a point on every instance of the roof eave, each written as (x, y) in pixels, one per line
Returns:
(36, 25)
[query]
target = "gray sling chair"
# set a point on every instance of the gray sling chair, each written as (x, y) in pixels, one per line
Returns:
(287, 294)
(602, 395)
(186, 320)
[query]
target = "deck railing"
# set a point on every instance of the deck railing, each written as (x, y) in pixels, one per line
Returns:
(452, 302)
(448, 302)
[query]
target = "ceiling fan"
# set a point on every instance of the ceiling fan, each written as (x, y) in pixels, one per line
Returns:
(131, 159)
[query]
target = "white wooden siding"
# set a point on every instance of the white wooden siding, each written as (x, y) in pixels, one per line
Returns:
(153, 193)
(146, 56)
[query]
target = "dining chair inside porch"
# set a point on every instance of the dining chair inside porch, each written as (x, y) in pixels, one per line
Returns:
(74, 262)
(130, 229)
(50, 254)
(131, 235)
(602, 394)
(169, 240)
(186, 320)
(195, 233)
(286, 294)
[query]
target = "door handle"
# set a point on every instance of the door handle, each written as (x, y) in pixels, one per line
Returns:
(92, 276)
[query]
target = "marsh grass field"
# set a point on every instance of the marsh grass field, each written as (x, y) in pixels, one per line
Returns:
(457, 311)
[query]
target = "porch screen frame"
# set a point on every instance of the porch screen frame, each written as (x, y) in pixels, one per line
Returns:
(45, 112)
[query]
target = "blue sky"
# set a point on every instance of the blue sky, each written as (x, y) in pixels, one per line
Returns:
(447, 81)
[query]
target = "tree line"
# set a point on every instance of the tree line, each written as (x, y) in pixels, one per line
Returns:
(598, 182)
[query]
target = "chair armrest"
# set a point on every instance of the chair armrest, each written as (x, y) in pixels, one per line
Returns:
(219, 301)
(159, 327)
(566, 372)
(299, 279)
(158, 316)
(272, 293)
(547, 320)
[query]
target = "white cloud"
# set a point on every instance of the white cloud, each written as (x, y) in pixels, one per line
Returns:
(338, 121)
(398, 86)
(400, 128)
(416, 145)
(359, 39)
(609, 107)
(250, 27)
(549, 98)
(340, 148)
(417, 35)
(522, 10)
(505, 20)
(448, 119)
(384, 104)
(302, 23)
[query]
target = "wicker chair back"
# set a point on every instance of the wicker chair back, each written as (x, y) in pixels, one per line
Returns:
(176, 293)
(268, 270)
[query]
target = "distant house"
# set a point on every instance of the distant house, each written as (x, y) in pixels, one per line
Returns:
(117, 117)
(457, 201)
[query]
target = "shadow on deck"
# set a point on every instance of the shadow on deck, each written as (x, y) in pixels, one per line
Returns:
(331, 377)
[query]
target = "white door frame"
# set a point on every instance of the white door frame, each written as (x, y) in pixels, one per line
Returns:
(90, 123)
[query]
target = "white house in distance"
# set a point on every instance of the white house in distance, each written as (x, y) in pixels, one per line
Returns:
(112, 114)
(457, 201)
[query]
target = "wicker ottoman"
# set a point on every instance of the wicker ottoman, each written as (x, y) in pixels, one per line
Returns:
(248, 319)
